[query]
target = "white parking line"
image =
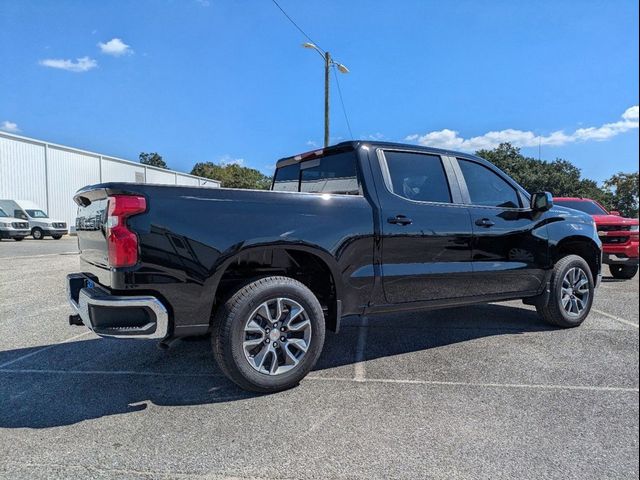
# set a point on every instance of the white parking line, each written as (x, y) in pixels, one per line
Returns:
(133, 373)
(474, 384)
(16, 257)
(43, 349)
(359, 369)
(396, 381)
(613, 317)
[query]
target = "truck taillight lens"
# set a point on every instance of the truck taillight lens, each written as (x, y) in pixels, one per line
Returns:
(122, 243)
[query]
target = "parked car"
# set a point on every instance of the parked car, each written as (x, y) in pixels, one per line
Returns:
(619, 235)
(40, 225)
(359, 228)
(11, 227)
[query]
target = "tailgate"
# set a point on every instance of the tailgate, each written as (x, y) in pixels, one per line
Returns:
(91, 229)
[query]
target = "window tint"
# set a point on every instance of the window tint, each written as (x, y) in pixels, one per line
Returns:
(417, 176)
(286, 179)
(331, 174)
(487, 188)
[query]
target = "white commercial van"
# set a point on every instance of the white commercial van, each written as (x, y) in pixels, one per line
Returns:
(11, 227)
(40, 225)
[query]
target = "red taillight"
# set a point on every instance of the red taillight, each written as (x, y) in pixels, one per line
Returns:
(122, 243)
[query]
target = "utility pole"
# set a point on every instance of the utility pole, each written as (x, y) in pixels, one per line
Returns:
(328, 63)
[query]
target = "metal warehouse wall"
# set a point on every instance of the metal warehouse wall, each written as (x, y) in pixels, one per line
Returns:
(50, 174)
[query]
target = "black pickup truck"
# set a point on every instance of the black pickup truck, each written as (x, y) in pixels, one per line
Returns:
(359, 228)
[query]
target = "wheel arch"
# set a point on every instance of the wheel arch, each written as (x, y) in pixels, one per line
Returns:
(582, 246)
(312, 266)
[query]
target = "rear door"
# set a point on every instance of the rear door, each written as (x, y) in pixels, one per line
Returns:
(509, 240)
(426, 230)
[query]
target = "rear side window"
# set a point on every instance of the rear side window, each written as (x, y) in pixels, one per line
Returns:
(486, 188)
(287, 178)
(418, 176)
(336, 174)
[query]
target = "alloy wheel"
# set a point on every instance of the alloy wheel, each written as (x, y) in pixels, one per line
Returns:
(276, 336)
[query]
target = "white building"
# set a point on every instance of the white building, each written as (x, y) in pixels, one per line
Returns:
(50, 174)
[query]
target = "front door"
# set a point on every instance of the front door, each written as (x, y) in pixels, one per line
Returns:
(509, 240)
(426, 233)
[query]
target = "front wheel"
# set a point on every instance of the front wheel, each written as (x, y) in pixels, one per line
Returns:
(37, 233)
(571, 296)
(624, 272)
(269, 334)
(56, 237)
(18, 239)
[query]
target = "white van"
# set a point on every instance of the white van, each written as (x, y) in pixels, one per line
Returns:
(11, 227)
(40, 225)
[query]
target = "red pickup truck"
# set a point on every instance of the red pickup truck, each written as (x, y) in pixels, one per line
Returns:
(619, 235)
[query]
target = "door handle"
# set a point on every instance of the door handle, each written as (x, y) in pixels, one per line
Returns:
(399, 220)
(484, 222)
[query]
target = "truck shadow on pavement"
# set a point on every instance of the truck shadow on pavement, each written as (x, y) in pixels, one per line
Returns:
(88, 379)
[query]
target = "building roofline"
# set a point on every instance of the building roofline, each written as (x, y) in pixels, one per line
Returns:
(99, 155)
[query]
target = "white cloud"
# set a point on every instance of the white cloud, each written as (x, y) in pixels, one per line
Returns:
(450, 139)
(376, 136)
(83, 64)
(8, 126)
(115, 47)
(311, 143)
(204, 3)
(229, 160)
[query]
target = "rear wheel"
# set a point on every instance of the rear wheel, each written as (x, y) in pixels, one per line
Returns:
(269, 334)
(571, 294)
(624, 272)
(37, 233)
(56, 237)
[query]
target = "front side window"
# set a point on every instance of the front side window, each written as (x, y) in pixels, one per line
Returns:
(37, 214)
(3, 213)
(486, 188)
(417, 176)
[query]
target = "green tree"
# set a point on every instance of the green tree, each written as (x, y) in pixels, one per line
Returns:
(153, 159)
(560, 177)
(232, 175)
(623, 191)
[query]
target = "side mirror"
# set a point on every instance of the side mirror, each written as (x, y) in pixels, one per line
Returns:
(614, 212)
(541, 201)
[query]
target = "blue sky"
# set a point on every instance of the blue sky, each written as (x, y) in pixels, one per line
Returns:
(213, 80)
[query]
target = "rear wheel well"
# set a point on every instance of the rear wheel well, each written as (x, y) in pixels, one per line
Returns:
(308, 268)
(584, 248)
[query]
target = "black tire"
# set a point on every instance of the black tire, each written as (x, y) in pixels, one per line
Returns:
(56, 237)
(18, 239)
(624, 272)
(553, 312)
(37, 233)
(228, 333)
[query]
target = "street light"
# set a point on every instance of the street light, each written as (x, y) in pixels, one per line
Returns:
(328, 62)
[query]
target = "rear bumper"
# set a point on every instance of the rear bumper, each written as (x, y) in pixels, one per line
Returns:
(142, 317)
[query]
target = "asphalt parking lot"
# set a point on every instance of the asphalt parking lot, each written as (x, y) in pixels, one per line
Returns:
(482, 392)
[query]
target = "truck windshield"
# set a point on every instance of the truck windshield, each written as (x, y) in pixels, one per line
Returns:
(3, 213)
(589, 207)
(37, 214)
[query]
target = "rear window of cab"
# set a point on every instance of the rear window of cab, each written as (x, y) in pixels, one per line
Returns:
(334, 173)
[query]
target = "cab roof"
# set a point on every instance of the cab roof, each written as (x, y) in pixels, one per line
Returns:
(354, 144)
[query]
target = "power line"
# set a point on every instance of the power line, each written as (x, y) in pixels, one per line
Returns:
(295, 24)
(344, 110)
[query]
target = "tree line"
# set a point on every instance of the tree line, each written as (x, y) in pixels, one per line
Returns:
(560, 177)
